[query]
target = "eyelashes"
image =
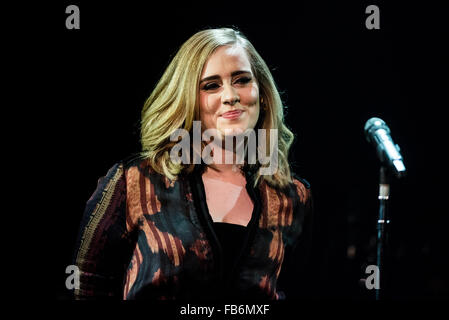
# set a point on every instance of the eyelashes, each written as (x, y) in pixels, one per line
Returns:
(210, 86)
(215, 85)
(243, 80)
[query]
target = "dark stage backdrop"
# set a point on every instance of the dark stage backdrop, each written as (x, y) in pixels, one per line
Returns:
(334, 74)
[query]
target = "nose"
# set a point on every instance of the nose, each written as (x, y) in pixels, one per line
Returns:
(229, 95)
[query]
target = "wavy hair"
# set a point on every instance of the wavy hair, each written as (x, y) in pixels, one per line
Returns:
(174, 104)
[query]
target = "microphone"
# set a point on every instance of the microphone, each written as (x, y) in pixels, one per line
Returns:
(378, 133)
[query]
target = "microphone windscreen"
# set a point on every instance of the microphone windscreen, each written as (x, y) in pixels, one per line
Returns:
(374, 124)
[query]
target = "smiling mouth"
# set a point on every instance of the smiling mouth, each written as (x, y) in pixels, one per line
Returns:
(234, 114)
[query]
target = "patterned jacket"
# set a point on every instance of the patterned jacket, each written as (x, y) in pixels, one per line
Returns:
(143, 236)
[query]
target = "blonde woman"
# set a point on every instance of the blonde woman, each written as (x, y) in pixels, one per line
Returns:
(157, 228)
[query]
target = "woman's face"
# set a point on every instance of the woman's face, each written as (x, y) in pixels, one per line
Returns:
(229, 92)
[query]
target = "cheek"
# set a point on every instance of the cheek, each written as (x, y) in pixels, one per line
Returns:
(249, 96)
(208, 108)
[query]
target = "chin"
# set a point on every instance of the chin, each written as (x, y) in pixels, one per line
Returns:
(233, 130)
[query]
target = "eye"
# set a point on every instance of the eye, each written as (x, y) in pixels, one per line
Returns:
(243, 80)
(211, 86)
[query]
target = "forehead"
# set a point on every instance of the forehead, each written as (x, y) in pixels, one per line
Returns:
(225, 60)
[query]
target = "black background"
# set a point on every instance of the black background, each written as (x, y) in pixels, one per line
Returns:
(334, 74)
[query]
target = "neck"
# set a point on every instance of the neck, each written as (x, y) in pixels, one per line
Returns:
(224, 160)
(225, 168)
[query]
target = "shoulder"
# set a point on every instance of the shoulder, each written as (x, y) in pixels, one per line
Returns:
(109, 186)
(135, 165)
(120, 167)
(138, 170)
(112, 178)
(303, 189)
(133, 161)
(119, 171)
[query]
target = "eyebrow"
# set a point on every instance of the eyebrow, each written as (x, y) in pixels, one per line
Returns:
(216, 76)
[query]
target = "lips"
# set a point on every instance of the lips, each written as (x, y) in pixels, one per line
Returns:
(234, 114)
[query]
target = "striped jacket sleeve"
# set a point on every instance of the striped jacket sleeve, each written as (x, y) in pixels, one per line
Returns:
(103, 249)
(296, 279)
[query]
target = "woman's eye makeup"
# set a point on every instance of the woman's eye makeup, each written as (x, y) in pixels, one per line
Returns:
(215, 85)
(211, 86)
(243, 80)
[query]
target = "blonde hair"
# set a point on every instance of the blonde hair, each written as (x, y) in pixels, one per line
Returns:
(174, 104)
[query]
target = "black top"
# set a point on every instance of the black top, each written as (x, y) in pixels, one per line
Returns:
(231, 238)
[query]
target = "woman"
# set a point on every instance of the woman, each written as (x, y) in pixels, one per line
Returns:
(157, 228)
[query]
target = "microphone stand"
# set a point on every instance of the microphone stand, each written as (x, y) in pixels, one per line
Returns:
(384, 194)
